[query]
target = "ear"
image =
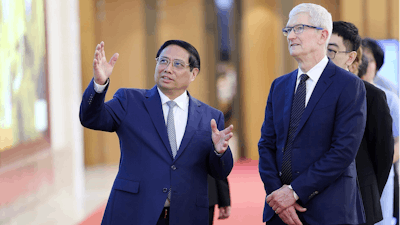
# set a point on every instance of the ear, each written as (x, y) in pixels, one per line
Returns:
(193, 74)
(352, 57)
(324, 36)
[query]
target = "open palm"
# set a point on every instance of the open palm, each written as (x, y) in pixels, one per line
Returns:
(101, 68)
(221, 138)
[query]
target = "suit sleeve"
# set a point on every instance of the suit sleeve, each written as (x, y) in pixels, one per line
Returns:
(97, 115)
(267, 149)
(220, 166)
(348, 130)
(224, 198)
(382, 140)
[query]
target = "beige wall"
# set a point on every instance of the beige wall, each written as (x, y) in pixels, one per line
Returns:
(136, 29)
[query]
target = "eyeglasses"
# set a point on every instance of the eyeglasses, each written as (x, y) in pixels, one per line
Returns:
(332, 53)
(176, 63)
(298, 29)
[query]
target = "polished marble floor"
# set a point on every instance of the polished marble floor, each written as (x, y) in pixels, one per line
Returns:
(72, 198)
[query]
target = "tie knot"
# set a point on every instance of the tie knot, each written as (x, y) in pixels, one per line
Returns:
(171, 104)
(303, 77)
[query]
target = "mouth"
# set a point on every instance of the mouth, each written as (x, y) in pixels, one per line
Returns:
(293, 45)
(166, 78)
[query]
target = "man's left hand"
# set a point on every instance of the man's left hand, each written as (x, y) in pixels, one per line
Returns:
(281, 199)
(221, 138)
(224, 212)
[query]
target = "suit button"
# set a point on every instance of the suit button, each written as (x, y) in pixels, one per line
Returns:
(280, 174)
(173, 167)
(165, 190)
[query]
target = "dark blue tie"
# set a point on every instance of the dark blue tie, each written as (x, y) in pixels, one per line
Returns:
(298, 106)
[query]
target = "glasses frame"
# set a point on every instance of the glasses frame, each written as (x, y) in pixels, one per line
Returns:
(169, 61)
(336, 52)
(287, 32)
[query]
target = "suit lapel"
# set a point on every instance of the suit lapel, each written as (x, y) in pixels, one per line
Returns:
(322, 85)
(193, 120)
(289, 92)
(154, 108)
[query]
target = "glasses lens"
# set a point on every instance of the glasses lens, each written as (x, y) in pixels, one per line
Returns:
(298, 29)
(331, 54)
(162, 61)
(286, 31)
(179, 64)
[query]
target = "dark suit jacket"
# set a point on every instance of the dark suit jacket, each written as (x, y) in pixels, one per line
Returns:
(147, 169)
(324, 149)
(218, 192)
(375, 155)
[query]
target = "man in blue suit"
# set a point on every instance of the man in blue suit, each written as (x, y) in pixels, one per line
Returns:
(169, 141)
(314, 122)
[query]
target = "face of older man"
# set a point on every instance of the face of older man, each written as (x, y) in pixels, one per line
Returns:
(304, 44)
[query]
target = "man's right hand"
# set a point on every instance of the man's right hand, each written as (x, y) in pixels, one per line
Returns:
(101, 68)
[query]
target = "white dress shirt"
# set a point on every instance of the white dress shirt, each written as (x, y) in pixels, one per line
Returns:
(180, 113)
(314, 74)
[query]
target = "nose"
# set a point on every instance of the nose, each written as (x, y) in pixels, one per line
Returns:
(291, 35)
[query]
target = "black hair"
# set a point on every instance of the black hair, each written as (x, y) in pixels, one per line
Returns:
(376, 50)
(349, 33)
(362, 68)
(194, 57)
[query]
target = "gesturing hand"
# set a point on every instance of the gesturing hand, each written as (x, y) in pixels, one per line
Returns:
(101, 68)
(221, 138)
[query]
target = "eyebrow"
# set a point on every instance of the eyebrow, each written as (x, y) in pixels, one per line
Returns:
(333, 44)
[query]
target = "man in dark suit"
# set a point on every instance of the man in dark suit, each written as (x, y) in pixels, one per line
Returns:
(375, 154)
(314, 122)
(169, 141)
(218, 194)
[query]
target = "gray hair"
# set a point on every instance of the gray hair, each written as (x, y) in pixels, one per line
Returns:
(319, 16)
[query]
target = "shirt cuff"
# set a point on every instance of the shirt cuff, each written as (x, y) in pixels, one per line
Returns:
(218, 154)
(100, 88)
(294, 193)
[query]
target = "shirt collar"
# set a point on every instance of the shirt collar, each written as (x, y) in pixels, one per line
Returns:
(316, 71)
(182, 100)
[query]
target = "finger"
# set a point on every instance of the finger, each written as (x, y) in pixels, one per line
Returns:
(228, 129)
(103, 54)
(299, 208)
(214, 126)
(228, 136)
(286, 218)
(295, 218)
(114, 59)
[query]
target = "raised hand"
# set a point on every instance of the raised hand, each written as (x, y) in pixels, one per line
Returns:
(101, 68)
(221, 138)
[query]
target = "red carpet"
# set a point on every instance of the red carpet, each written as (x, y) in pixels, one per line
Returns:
(247, 197)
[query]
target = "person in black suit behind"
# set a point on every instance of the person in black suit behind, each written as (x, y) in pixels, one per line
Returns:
(218, 194)
(375, 154)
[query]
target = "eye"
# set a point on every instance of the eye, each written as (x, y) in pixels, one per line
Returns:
(179, 64)
(299, 28)
(331, 51)
(163, 61)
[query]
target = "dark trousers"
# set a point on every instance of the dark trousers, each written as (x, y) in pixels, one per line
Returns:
(211, 210)
(164, 217)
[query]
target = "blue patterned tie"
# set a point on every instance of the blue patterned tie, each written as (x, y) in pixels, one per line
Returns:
(298, 106)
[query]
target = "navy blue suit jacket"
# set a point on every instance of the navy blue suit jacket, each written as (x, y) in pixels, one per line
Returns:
(147, 169)
(324, 148)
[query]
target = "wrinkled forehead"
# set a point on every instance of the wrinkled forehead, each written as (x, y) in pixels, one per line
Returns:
(299, 18)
